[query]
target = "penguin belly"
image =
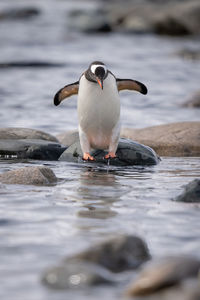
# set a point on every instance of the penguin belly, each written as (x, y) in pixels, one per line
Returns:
(99, 112)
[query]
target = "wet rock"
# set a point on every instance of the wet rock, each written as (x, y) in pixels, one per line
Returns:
(163, 274)
(19, 13)
(29, 175)
(171, 18)
(92, 20)
(117, 254)
(128, 153)
(68, 138)
(76, 274)
(190, 54)
(175, 139)
(30, 148)
(30, 64)
(194, 101)
(14, 133)
(191, 193)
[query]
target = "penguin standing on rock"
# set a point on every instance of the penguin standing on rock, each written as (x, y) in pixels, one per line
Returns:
(98, 107)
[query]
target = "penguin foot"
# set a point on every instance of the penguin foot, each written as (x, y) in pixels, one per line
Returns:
(87, 156)
(110, 155)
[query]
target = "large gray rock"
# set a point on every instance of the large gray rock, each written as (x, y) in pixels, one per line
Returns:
(164, 273)
(30, 148)
(19, 13)
(174, 139)
(117, 254)
(194, 101)
(29, 175)
(89, 20)
(76, 274)
(191, 192)
(68, 138)
(18, 133)
(128, 153)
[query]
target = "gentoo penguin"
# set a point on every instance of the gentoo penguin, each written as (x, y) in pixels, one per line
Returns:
(98, 107)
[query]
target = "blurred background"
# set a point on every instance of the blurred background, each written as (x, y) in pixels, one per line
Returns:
(47, 44)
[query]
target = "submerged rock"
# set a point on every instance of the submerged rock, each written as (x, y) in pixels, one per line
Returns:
(17, 133)
(194, 101)
(165, 273)
(29, 64)
(191, 193)
(19, 13)
(175, 139)
(30, 148)
(29, 175)
(75, 275)
(117, 254)
(128, 153)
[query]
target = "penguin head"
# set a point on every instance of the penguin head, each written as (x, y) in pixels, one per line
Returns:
(97, 72)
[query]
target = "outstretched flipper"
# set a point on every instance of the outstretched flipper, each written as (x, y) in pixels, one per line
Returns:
(129, 84)
(65, 92)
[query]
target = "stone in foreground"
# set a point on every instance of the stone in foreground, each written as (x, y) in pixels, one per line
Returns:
(191, 193)
(128, 153)
(76, 274)
(175, 139)
(117, 254)
(163, 274)
(29, 175)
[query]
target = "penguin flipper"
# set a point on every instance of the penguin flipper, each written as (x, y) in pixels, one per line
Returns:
(65, 92)
(130, 84)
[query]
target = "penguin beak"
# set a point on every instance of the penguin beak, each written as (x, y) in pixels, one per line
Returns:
(100, 82)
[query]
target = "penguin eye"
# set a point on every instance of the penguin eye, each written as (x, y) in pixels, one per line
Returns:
(95, 68)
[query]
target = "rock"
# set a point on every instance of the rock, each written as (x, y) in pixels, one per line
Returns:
(19, 13)
(29, 175)
(188, 290)
(30, 148)
(12, 133)
(75, 275)
(30, 64)
(191, 193)
(68, 138)
(194, 101)
(117, 254)
(175, 139)
(170, 18)
(163, 274)
(128, 153)
(190, 54)
(92, 20)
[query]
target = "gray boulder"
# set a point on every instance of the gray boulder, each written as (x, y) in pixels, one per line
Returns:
(194, 101)
(191, 192)
(167, 272)
(18, 133)
(117, 254)
(90, 20)
(76, 274)
(128, 153)
(30, 149)
(29, 175)
(19, 13)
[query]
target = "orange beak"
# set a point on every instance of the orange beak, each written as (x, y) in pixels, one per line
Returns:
(100, 82)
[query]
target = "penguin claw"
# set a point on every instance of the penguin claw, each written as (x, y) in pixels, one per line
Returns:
(88, 157)
(110, 155)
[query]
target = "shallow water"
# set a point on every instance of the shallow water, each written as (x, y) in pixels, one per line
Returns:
(41, 225)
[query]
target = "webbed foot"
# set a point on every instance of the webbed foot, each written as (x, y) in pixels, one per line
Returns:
(87, 156)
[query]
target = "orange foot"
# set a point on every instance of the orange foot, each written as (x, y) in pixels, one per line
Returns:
(110, 155)
(87, 156)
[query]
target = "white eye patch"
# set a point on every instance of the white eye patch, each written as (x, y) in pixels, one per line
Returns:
(93, 68)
